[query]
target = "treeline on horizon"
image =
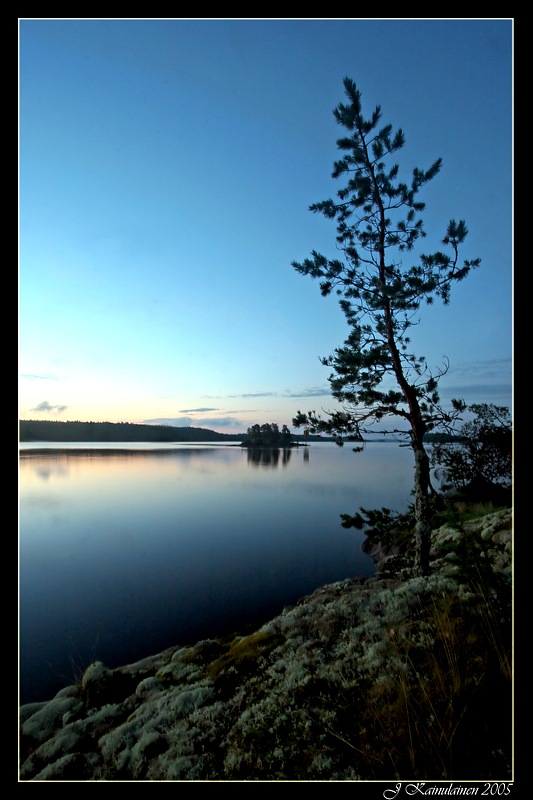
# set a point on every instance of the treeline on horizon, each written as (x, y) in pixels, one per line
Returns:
(36, 430)
(56, 431)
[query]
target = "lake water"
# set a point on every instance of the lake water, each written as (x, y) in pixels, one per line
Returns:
(127, 549)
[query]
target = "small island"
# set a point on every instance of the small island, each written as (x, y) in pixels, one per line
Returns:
(269, 435)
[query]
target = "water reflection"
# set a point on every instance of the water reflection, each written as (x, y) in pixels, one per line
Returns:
(125, 553)
(268, 456)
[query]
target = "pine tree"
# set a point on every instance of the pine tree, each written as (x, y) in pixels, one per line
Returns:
(374, 375)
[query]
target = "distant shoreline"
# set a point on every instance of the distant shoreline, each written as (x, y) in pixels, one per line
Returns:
(111, 432)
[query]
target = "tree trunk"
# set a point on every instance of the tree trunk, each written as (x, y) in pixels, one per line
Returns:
(422, 510)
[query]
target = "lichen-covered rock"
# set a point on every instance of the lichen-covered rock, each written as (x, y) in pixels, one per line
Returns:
(47, 719)
(74, 766)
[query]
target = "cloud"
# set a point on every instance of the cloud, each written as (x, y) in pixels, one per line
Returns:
(244, 410)
(195, 410)
(45, 406)
(491, 368)
(174, 422)
(315, 391)
(498, 394)
(255, 394)
(204, 422)
(225, 422)
(28, 377)
(487, 381)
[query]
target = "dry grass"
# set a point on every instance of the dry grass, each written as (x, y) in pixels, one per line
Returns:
(443, 696)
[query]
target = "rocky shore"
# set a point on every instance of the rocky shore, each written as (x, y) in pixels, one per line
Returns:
(365, 679)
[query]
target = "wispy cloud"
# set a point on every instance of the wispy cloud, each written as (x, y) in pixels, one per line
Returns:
(45, 406)
(243, 410)
(487, 381)
(203, 422)
(225, 422)
(314, 391)
(255, 394)
(29, 377)
(174, 422)
(491, 368)
(196, 410)
(497, 393)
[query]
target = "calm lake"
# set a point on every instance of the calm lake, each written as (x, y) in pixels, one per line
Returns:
(127, 549)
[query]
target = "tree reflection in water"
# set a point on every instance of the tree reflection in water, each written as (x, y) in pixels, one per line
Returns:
(269, 456)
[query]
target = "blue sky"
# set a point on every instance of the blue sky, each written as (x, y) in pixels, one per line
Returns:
(166, 168)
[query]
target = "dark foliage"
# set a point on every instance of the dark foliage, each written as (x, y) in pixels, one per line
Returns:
(480, 462)
(56, 431)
